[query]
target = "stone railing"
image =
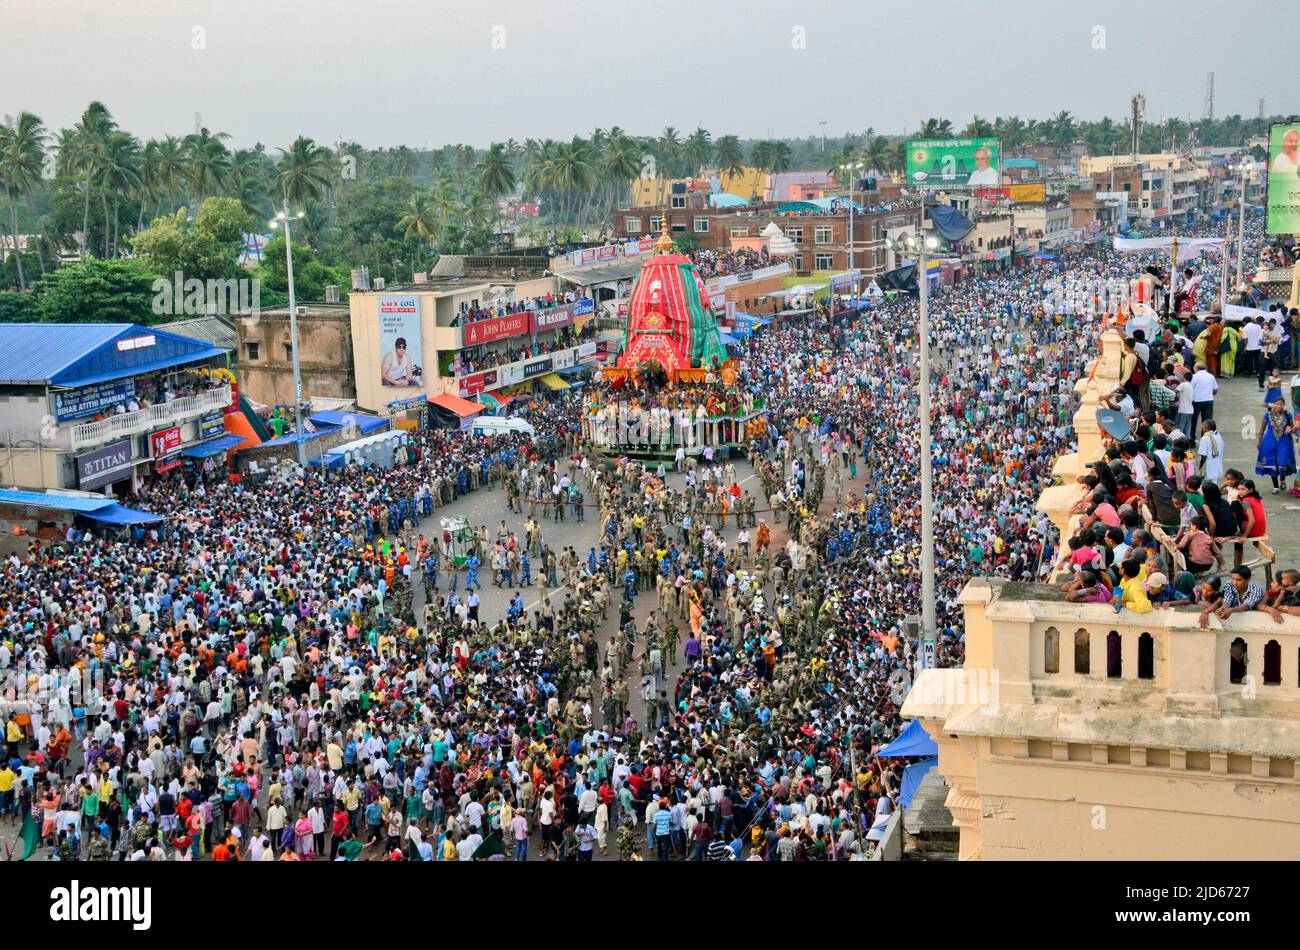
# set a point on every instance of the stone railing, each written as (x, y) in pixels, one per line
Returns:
(89, 434)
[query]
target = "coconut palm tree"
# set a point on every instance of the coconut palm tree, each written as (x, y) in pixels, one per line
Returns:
(419, 221)
(876, 154)
(305, 170)
(936, 129)
(250, 181)
(22, 154)
(1062, 129)
(1012, 132)
(209, 162)
(443, 201)
(480, 211)
(169, 166)
(697, 148)
(89, 138)
(729, 155)
(619, 164)
(119, 173)
(496, 172)
(978, 127)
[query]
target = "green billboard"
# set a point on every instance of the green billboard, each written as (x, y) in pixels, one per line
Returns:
(954, 163)
(1284, 178)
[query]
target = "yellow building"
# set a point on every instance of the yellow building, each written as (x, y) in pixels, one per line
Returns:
(1075, 733)
(749, 183)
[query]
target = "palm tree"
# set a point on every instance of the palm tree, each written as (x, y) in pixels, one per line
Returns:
(169, 166)
(697, 148)
(305, 171)
(119, 173)
(443, 201)
(669, 147)
(89, 137)
(729, 155)
(620, 163)
(1012, 132)
(1062, 129)
(876, 154)
(978, 128)
(496, 172)
(250, 181)
(936, 129)
(209, 162)
(22, 153)
(480, 210)
(419, 221)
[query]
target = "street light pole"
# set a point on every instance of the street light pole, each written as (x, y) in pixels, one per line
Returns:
(285, 217)
(1241, 225)
(928, 632)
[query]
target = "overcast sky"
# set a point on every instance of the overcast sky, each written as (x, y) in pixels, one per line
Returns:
(430, 72)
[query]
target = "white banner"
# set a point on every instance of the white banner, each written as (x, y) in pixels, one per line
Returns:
(1236, 314)
(1188, 248)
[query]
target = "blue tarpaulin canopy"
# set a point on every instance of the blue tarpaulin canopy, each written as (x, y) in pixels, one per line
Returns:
(912, 776)
(213, 447)
(950, 222)
(751, 318)
(120, 515)
(366, 423)
(726, 338)
(1044, 256)
(914, 741)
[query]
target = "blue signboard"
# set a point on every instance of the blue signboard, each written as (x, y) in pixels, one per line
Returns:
(212, 423)
(88, 400)
(583, 307)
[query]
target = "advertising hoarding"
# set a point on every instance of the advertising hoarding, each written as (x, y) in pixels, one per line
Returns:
(88, 400)
(1034, 193)
(165, 442)
(497, 328)
(1284, 178)
(400, 350)
(104, 465)
(955, 163)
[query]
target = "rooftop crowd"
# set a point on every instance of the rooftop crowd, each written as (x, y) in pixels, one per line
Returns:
(299, 669)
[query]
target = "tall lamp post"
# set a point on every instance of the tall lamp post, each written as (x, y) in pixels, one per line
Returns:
(852, 168)
(283, 217)
(920, 245)
(1244, 168)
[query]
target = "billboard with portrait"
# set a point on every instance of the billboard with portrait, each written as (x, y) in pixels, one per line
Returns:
(955, 163)
(400, 352)
(1284, 178)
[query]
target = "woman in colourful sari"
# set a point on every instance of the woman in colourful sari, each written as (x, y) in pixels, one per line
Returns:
(1228, 358)
(1276, 457)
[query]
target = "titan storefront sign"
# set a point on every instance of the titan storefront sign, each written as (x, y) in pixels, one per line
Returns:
(104, 465)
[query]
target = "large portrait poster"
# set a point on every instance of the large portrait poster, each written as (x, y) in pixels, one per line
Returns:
(400, 354)
(1284, 178)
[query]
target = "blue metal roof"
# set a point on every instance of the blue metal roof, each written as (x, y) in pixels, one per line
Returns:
(78, 354)
(40, 499)
(1019, 163)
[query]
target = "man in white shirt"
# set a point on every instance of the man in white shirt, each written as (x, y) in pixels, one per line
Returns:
(1184, 412)
(1204, 386)
(1251, 333)
(1210, 452)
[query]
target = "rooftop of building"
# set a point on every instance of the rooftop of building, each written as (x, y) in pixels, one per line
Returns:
(80, 354)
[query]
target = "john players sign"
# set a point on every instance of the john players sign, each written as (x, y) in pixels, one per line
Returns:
(104, 465)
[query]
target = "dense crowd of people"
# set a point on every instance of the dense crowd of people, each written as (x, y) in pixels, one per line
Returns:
(299, 669)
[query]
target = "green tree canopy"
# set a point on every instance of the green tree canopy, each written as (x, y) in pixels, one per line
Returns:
(97, 291)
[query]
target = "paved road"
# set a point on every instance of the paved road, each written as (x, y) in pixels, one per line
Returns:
(1239, 408)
